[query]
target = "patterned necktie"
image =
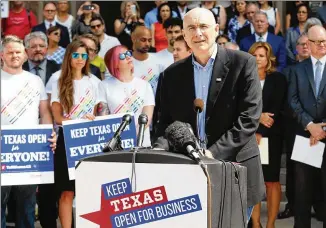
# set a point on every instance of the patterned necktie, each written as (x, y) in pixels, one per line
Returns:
(318, 77)
(37, 72)
(260, 39)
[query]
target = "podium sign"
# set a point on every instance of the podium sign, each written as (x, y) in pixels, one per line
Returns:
(154, 199)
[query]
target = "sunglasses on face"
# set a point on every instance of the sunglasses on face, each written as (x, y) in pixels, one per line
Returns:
(56, 33)
(76, 55)
(95, 26)
(123, 56)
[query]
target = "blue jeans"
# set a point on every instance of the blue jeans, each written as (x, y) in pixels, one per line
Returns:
(25, 200)
(249, 212)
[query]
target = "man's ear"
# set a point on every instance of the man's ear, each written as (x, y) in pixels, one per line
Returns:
(217, 29)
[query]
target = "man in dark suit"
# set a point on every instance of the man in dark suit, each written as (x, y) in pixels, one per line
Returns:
(36, 48)
(228, 83)
(251, 9)
(307, 96)
(181, 9)
(49, 11)
(261, 34)
(289, 130)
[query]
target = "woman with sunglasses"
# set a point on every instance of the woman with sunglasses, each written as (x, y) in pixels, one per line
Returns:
(123, 92)
(55, 52)
(74, 96)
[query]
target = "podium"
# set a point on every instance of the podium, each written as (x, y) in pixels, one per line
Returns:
(159, 189)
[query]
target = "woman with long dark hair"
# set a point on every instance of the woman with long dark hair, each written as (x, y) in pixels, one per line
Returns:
(74, 96)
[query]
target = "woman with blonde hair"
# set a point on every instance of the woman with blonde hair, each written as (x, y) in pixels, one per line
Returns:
(130, 16)
(74, 96)
(273, 86)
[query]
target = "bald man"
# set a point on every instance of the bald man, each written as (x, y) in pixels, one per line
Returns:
(147, 66)
(227, 82)
(307, 98)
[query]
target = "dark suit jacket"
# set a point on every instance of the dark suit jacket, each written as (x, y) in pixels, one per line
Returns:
(64, 37)
(246, 31)
(321, 14)
(51, 67)
(233, 109)
(274, 94)
(278, 46)
(307, 105)
(175, 9)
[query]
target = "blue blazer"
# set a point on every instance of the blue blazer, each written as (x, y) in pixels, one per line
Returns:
(278, 46)
(64, 37)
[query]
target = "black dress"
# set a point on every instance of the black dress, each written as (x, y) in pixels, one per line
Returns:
(125, 36)
(274, 96)
(61, 176)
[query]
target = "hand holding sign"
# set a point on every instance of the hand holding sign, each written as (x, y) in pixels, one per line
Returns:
(53, 141)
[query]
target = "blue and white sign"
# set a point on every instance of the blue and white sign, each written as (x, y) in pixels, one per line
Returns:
(26, 155)
(85, 138)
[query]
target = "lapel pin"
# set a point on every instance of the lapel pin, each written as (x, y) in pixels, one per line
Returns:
(218, 79)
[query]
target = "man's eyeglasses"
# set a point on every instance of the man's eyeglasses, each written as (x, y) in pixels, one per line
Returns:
(92, 50)
(76, 55)
(123, 56)
(95, 26)
(318, 42)
(302, 44)
(50, 11)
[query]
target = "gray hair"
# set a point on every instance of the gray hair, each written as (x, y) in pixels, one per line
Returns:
(33, 35)
(252, 4)
(301, 35)
(232, 46)
(259, 12)
(10, 39)
(311, 22)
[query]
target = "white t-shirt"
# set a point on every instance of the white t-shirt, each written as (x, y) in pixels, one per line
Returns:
(21, 95)
(149, 70)
(68, 23)
(123, 97)
(108, 43)
(55, 76)
(165, 57)
(85, 96)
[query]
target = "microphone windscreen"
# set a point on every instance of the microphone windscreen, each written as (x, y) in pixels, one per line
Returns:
(127, 118)
(179, 136)
(198, 105)
(142, 119)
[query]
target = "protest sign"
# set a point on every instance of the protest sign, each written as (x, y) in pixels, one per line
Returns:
(26, 155)
(84, 138)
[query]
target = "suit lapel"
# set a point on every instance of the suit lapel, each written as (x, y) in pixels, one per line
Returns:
(310, 75)
(323, 81)
(220, 71)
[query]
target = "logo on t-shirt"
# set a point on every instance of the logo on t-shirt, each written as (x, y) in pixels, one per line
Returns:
(130, 104)
(85, 105)
(17, 106)
(151, 78)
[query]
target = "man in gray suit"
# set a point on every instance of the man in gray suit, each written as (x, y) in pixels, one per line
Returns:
(307, 96)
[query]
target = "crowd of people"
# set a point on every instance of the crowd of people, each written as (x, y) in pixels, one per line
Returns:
(65, 60)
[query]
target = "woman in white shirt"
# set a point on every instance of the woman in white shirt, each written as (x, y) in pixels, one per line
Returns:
(272, 15)
(74, 96)
(123, 92)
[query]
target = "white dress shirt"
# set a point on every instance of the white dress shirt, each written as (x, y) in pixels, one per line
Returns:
(263, 36)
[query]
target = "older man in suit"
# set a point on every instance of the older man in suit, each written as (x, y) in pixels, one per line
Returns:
(307, 96)
(228, 83)
(251, 9)
(262, 35)
(49, 12)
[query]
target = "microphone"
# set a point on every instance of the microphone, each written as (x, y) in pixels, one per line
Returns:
(182, 139)
(198, 107)
(113, 143)
(142, 121)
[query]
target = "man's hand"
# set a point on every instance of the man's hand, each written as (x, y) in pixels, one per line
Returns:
(316, 130)
(266, 119)
(53, 141)
(258, 138)
(313, 141)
